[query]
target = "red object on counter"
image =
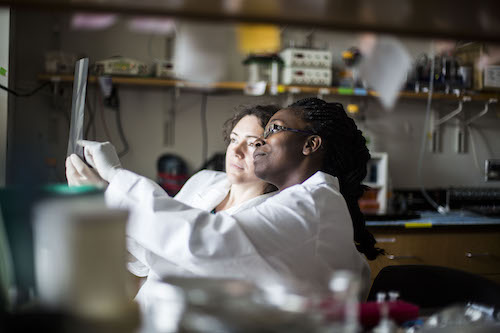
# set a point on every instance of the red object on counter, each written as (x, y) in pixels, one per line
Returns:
(399, 311)
(369, 312)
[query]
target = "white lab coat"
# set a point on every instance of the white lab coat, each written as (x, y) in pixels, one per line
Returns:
(204, 190)
(296, 237)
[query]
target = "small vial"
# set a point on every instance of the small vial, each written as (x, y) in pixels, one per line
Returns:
(381, 297)
(393, 296)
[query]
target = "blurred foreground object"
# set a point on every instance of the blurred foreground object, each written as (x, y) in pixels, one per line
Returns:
(80, 255)
(472, 317)
(226, 305)
(384, 67)
(201, 51)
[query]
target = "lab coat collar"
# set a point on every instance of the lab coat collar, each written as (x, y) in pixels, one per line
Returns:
(208, 200)
(321, 177)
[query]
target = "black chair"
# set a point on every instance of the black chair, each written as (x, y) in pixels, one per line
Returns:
(435, 286)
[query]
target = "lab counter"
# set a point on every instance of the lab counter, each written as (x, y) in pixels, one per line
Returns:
(460, 239)
(435, 219)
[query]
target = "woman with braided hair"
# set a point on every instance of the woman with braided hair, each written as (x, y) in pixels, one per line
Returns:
(342, 152)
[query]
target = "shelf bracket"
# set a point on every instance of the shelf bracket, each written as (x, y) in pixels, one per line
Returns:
(482, 113)
(455, 112)
(436, 122)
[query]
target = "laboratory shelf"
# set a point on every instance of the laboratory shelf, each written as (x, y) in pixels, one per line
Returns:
(293, 89)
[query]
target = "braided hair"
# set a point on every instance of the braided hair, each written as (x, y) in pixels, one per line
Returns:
(346, 158)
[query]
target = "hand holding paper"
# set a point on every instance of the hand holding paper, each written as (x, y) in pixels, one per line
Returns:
(103, 157)
(78, 173)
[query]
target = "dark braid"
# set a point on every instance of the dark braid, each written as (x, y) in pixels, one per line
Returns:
(346, 157)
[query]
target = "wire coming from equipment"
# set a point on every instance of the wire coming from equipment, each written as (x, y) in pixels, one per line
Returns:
(28, 94)
(121, 133)
(439, 208)
(103, 118)
(204, 131)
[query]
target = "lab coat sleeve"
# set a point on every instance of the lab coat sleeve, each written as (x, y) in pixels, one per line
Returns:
(126, 180)
(195, 240)
(134, 185)
(292, 234)
(243, 245)
(207, 244)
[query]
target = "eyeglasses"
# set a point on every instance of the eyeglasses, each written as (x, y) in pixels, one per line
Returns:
(274, 128)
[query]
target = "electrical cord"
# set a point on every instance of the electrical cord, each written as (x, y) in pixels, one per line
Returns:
(204, 131)
(103, 118)
(439, 208)
(28, 94)
(121, 133)
(470, 128)
(95, 106)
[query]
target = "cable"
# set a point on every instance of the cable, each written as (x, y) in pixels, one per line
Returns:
(31, 93)
(94, 128)
(121, 133)
(103, 119)
(473, 148)
(204, 131)
(439, 208)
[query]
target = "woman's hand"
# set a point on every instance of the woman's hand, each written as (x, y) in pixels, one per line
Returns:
(103, 157)
(78, 173)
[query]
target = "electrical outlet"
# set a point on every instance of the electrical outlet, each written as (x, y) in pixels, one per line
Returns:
(492, 170)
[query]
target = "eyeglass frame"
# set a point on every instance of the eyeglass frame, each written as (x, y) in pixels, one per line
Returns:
(281, 128)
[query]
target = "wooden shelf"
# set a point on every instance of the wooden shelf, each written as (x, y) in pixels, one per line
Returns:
(239, 86)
